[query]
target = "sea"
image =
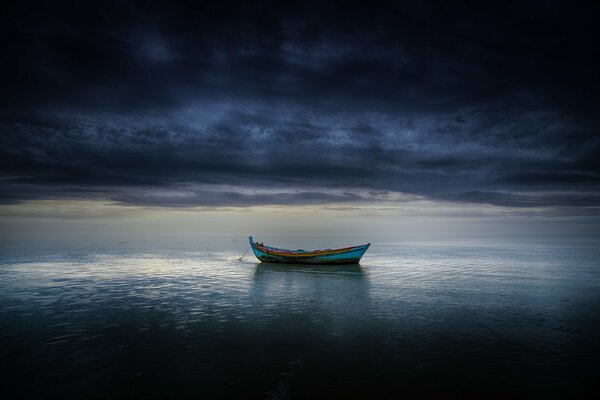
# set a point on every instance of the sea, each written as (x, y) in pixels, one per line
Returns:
(170, 319)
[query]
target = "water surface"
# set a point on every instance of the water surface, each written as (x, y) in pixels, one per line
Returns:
(141, 320)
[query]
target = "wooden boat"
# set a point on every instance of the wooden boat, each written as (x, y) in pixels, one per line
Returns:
(346, 255)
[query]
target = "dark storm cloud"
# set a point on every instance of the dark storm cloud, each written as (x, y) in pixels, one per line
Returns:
(528, 200)
(151, 103)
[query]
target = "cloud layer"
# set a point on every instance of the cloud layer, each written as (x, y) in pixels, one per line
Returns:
(242, 105)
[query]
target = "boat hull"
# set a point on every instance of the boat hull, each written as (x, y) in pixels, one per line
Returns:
(351, 255)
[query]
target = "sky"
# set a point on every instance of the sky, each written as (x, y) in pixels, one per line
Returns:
(391, 115)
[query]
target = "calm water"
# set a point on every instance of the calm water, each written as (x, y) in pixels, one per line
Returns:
(137, 320)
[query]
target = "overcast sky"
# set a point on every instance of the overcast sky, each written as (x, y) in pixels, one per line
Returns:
(464, 104)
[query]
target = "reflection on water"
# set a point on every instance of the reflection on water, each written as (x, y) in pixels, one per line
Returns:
(413, 317)
(302, 295)
(335, 269)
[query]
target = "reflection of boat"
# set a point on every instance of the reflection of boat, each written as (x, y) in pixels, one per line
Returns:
(347, 255)
(334, 269)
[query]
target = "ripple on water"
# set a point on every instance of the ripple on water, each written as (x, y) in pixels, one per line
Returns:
(406, 308)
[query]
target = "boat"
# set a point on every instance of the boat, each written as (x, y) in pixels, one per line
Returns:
(346, 255)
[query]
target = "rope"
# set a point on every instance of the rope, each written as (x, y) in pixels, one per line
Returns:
(243, 255)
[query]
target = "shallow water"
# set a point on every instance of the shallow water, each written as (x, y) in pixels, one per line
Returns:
(141, 320)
